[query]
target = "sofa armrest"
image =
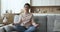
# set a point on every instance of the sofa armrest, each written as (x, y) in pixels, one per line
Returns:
(1, 29)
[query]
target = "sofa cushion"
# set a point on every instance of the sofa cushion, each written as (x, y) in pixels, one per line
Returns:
(8, 27)
(57, 17)
(1, 29)
(50, 23)
(57, 25)
(16, 18)
(42, 21)
(1, 25)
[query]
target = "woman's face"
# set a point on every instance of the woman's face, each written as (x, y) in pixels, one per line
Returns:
(26, 7)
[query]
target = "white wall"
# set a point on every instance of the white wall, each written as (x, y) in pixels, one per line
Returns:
(45, 2)
(40, 2)
(57, 2)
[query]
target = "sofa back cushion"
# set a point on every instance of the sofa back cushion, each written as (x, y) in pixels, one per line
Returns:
(50, 22)
(42, 21)
(56, 25)
(57, 17)
(10, 17)
(16, 18)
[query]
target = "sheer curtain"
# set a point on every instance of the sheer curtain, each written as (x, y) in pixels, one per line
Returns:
(14, 5)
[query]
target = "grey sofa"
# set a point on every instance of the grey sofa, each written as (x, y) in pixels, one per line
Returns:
(46, 22)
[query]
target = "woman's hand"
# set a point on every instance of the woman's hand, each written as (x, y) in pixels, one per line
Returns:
(15, 23)
(36, 25)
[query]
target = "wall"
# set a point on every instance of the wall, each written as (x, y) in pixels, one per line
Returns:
(14, 5)
(45, 2)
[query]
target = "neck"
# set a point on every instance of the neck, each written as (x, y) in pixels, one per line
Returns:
(26, 12)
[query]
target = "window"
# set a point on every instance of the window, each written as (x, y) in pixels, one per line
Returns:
(14, 5)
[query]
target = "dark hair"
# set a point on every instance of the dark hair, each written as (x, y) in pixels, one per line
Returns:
(27, 4)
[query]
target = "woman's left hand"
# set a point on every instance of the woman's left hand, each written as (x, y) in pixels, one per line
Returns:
(36, 25)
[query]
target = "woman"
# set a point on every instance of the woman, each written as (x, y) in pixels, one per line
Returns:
(26, 22)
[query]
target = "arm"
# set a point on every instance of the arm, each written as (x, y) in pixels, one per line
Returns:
(17, 19)
(22, 11)
(20, 19)
(34, 23)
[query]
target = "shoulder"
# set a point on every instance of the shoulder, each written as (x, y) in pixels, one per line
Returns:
(21, 15)
(31, 14)
(21, 11)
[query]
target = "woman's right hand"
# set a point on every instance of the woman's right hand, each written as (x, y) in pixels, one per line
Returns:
(15, 23)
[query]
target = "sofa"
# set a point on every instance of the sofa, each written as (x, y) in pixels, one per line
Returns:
(47, 22)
